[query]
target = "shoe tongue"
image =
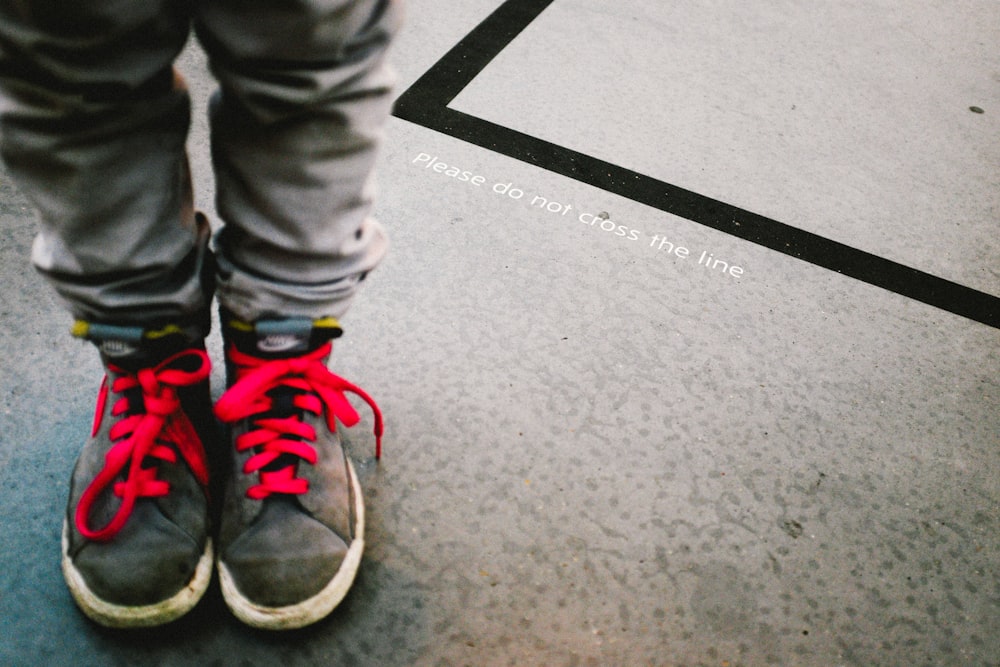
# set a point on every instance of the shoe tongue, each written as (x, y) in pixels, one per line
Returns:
(280, 338)
(132, 349)
(126, 357)
(117, 351)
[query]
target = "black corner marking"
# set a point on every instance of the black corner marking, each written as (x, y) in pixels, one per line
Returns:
(426, 103)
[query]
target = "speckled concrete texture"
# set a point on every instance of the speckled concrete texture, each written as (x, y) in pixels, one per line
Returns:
(599, 451)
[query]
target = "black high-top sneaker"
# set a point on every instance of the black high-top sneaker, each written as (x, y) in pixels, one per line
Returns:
(136, 545)
(293, 520)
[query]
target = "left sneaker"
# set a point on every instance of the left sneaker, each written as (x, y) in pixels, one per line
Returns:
(292, 526)
(136, 547)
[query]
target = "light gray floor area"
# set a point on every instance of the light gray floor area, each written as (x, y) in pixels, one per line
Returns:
(851, 121)
(600, 452)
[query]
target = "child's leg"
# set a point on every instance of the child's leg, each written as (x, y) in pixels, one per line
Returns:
(94, 122)
(305, 93)
(93, 129)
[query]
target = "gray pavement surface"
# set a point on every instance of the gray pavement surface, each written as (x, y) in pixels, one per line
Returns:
(600, 451)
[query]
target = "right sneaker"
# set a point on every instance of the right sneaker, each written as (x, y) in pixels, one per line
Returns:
(136, 546)
(291, 533)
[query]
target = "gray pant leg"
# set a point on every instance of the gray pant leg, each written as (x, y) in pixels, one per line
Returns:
(305, 92)
(93, 128)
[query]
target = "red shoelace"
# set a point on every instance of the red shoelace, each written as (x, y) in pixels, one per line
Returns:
(156, 431)
(317, 391)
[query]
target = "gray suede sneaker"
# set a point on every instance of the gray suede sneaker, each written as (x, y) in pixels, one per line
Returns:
(293, 520)
(136, 547)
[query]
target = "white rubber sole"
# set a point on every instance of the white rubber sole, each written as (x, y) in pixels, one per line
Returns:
(313, 609)
(119, 616)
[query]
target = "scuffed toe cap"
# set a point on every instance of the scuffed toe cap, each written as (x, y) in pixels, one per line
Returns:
(285, 557)
(149, 561)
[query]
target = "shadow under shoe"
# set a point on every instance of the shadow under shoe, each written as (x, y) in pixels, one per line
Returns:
(136, 545)
(292, 527)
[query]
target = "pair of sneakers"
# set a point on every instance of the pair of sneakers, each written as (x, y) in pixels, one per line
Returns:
(157, 497)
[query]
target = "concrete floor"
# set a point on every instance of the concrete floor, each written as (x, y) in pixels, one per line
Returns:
(599, 450)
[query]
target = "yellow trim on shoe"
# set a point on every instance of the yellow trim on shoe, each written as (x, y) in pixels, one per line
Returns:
(327, 323)
(153, 334)
(79, 329)
(240, 325)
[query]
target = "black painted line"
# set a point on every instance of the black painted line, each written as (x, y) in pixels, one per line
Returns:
(426, 103)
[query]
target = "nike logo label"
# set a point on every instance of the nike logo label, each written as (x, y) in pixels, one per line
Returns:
(118, 348)
(281, 343)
